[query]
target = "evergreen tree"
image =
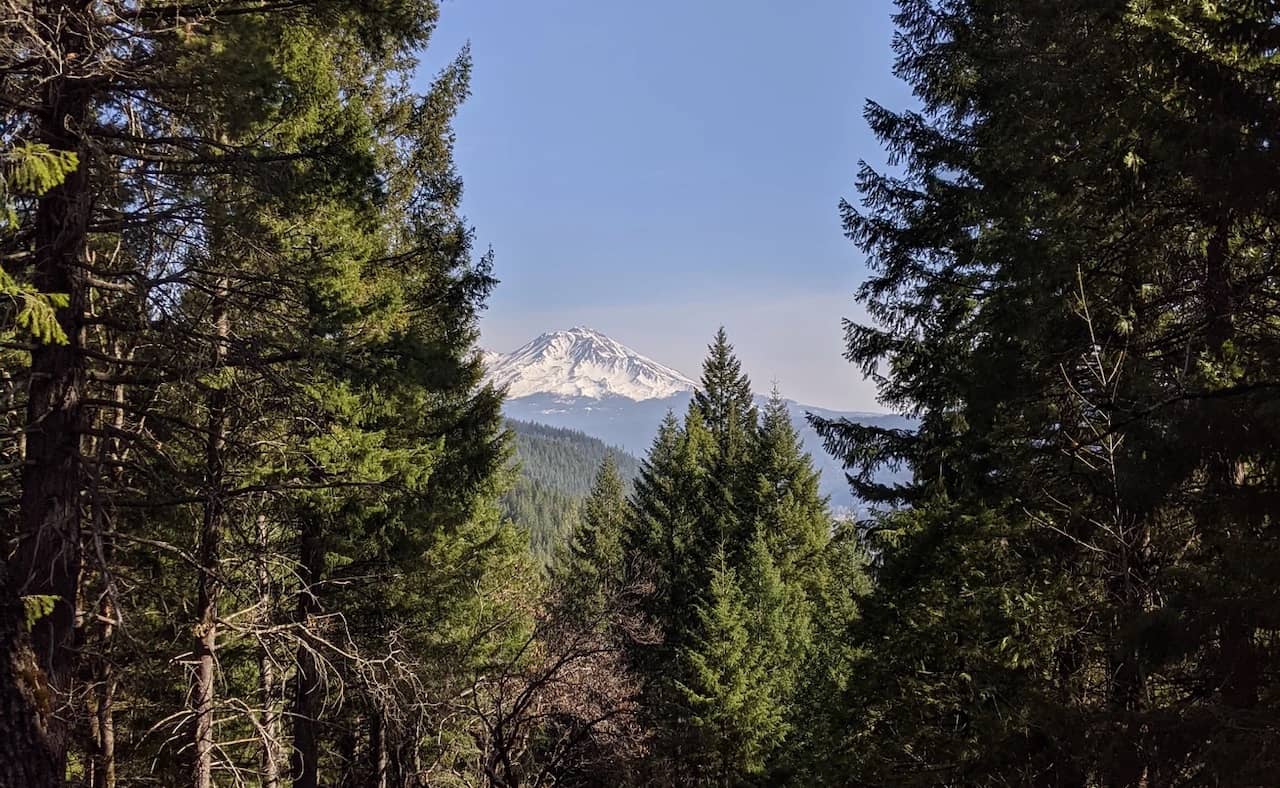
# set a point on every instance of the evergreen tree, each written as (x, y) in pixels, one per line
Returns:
(728, 513)
(1062, 295)
(546, 514)
(729, 688)
(26, 757)
(725, 400)
(566, 460)
(659, 521)
(725, 405)
(266, 425)
(593, 567)
(792, 514)
(557, 470)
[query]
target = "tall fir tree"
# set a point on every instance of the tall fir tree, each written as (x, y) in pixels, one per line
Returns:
(728, 504)
(1063, 297)
(268, 396)
(725, 405)
(792, 515)
(724, 398)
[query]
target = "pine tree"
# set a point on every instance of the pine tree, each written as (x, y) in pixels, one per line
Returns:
(654, 497)
(724, 398)
(270, 328)
(725, 405)
(1060, 295)
(727, 490)
(593, 567)
(661, 517)
(27, 757)
(730, 689)
(792, 515)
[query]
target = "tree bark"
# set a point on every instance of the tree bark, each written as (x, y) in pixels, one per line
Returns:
(266, 669)
(46, 558)
(27, 758)
(378, 748)
(209, 585)
(103, 680)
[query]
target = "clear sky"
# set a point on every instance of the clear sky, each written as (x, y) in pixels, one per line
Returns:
(654, 170)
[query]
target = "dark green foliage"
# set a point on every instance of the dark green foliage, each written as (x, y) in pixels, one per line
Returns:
(729, 689)
(28, 171)
(264, 451)
(791, 513)
(1074, 289)
(725, 400)
(566, 460)
(546, 514)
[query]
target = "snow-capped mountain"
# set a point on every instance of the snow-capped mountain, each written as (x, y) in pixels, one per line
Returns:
(583, 380)
(581, 362)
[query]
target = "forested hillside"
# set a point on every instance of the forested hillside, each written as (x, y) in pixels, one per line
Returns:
(557, 468)
(566, 460)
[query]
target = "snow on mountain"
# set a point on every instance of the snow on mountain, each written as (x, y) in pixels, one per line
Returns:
(581, 379)
(581, 362)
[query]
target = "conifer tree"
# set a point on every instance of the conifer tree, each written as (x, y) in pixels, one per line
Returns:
(727, 510)
(654, 499)
(724, 398)
(792, 515)
(268, 393)
(725, 404)
(662, 521)
(728, 686)
(1061, 295)
(593, 565)
(26, 757)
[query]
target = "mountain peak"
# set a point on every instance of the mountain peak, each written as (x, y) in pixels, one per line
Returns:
(582, 362)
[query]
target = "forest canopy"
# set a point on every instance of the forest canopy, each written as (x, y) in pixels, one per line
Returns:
(265, 524)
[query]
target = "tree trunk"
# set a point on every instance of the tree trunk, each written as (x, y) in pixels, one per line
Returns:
(46, 559)
(104, 757)
(102, 678)
(209, 584)
(27, 758)
(104, 695)
(309, 686)
(378, 748)
(266, 668)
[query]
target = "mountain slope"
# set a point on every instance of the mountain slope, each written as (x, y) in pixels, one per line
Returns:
(546, 379)
(557, 469)
(581, 362)
(565, 459)
(632, 426)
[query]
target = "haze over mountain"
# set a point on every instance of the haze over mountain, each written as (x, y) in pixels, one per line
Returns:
(584, 380)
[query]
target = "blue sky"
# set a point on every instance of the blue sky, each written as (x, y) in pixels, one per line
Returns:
(654, 170)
